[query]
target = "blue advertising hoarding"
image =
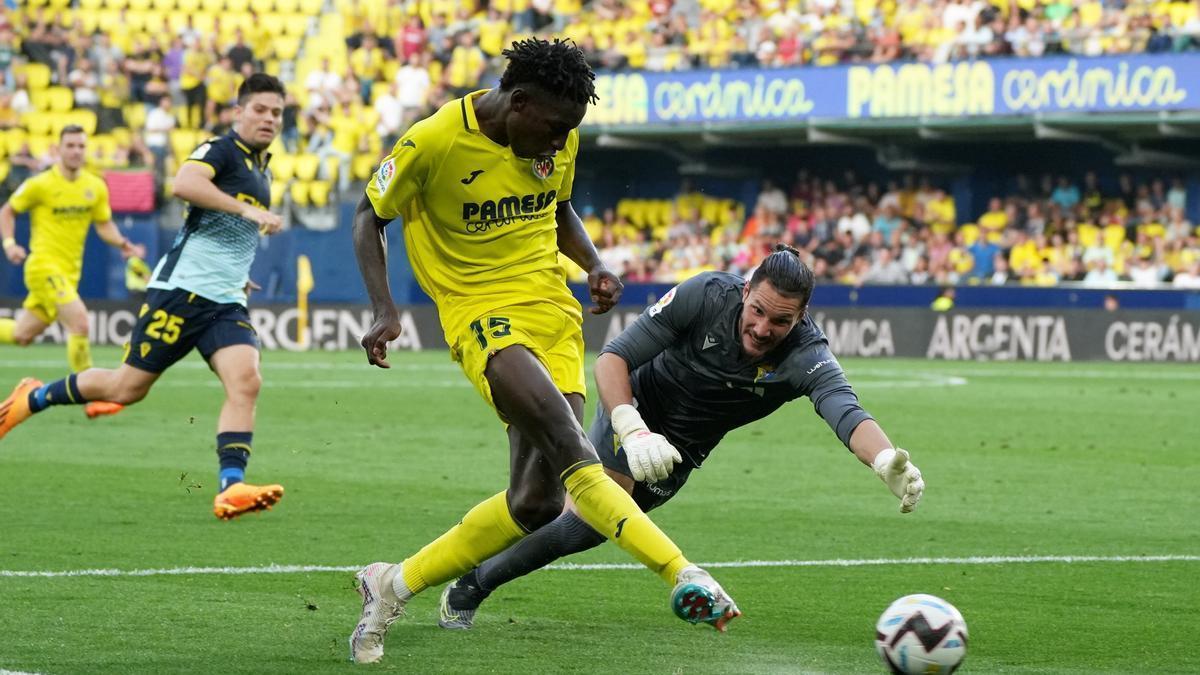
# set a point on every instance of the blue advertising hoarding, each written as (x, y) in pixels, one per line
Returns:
(1137, 83)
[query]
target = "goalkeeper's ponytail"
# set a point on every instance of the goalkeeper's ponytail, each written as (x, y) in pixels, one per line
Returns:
(787, 273)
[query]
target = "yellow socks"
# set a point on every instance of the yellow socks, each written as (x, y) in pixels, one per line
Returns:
(79, 353)
(7, 328)
(485, 531)
(613, 513)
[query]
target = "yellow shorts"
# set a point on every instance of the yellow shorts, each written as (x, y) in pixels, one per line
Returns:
(553, 334)
(49, 288)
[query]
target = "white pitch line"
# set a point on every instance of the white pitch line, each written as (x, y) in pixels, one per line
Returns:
(836, 562)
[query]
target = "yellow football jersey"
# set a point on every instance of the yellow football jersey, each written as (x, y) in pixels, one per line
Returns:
(62, 210)
(479, 222)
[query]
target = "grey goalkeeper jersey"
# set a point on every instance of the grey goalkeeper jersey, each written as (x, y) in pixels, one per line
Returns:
(693, 383)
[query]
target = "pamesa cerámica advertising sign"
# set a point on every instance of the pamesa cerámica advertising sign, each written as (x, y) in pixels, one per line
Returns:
(1001, 335)
(1137, 83)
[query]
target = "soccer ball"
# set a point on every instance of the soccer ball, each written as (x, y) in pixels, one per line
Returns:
(921, 635)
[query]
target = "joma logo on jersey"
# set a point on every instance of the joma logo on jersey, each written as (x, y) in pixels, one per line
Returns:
(509, 207)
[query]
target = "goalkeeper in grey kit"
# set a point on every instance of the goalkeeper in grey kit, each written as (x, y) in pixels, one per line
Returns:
(715, 353)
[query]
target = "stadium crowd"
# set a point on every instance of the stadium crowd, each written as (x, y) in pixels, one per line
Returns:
(150, 79)
(1041, 232)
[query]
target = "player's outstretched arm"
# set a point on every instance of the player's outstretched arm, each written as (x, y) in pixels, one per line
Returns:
(651, 456)
(8, 227)
(892, 465)
(370, 248)
(110, 235)
(573, 240)
(194, 184)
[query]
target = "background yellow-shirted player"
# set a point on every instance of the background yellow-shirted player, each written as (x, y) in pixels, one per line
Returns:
(64, 199)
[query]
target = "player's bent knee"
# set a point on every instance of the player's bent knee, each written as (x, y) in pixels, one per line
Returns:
(533, 511)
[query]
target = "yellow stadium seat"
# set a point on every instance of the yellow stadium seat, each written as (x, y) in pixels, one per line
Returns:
(38, 123)
(4, 168)
(134, 21)
(283, 168)
(204, 22)
(286, 47)
(37, 76)
(14, 140)
(89, 21)
(116, 4)
(299, 192)
(189, 6)
(135, 115)
(177, 21)
(37, 3)
(103, 145)
(40, 99)
(362, 166)
(295, 24)
(213, 6)
(311, 7)
(183, 141)
(237, 6)
(107, 20)
(287, 6)
(82, 118)
(59, 4)
(3, 149)
(307, 166)
(273, 67)
(139, 5)
(122, 135)
(163, 5)
(277, 192)
(40, 145)
(90, 4)
(318, 192)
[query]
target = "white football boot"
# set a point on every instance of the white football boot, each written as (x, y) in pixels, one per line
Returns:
(380, 608)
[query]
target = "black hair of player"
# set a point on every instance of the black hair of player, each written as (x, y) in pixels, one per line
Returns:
(70, 129)
(787, 273)
(260, 83)
(558, 67)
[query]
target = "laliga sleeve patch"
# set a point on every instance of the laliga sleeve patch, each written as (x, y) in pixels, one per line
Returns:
(663, 302)
(383, 177)
(200, 152)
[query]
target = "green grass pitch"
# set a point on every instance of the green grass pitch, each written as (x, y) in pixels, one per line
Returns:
(1020, 460)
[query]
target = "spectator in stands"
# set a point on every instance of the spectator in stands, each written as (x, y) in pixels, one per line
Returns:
(466, 65)
(772, 198)
(1100, 274)
(157, 134)
(240, 54)
(886, 269)
(1065, 194)
(413, 85)
(983, 252)
(322, 83)
(8, 117)
(1189, 277)
(8, 54)
(115, 92)
(221, 93)
(367, 62)
(1146, 272)
(391, 117)
(410, 40)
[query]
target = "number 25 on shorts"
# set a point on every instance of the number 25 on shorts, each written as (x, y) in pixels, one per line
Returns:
(165, 327)
(497, 327)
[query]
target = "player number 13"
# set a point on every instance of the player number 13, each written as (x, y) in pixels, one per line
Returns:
(497, 327)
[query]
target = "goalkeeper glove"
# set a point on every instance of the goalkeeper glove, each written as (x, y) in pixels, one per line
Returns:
(901, 476)
(651, 456)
